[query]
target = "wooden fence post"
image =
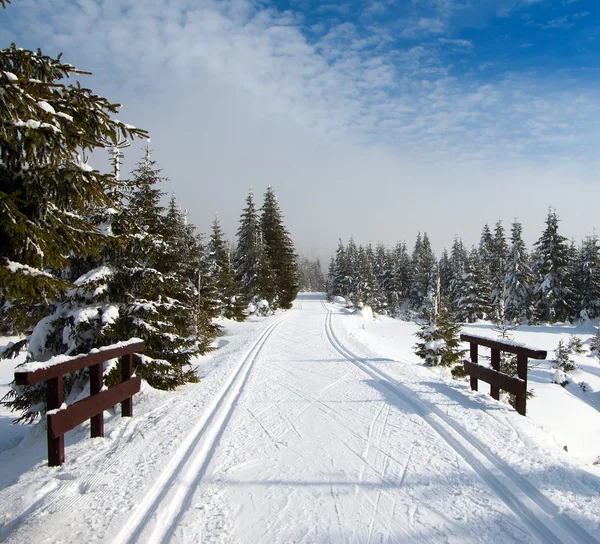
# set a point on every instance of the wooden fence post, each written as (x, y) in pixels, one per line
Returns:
(494, 390)
(126, 372)
(521, 403)
(96, 383)
(56, 446)
(474, 386)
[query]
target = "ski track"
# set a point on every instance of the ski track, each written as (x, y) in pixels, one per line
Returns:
(536, 511)
(166, 501)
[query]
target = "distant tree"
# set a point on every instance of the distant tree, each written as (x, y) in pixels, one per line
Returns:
(553, 284)
(221, 270)
(280, 251)
(439, 335)
(311, 277)
(587, 279)
(518, 277)
(247, 251)
(474, 303)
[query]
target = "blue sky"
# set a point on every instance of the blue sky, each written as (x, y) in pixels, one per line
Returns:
(470, 111)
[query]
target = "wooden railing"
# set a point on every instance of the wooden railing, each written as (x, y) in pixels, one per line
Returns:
(61, 419)
(498, 380)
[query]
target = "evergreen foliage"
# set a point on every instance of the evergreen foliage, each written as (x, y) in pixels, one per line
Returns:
(310, 275)
(587, 279)
(280, 254)
(221, 271)
(518, 277)
(553, 271)
(439, 335)
(248, 251)
(47, 190)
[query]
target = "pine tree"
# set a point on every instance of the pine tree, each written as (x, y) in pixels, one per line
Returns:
(279, 250)
(474, 302)
(497, 274)
(518, 278)
(220, 269)
(439, 334)
(587, 279)
(553, 285)
(47, 189)
(458, 263)
(247, 251)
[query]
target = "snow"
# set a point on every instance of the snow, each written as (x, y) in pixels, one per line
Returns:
(59, 359)
(10, 76)
(26, 269)
(315, 425)
(95, 275)
(42, 104)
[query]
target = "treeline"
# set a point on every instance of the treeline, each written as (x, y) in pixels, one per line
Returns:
(500, 280)
(88, 259)
(311, 275)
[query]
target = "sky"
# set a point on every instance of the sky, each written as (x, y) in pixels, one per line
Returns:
(376, 119)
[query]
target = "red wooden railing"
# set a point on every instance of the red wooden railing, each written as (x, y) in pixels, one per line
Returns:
(498, 380)
(62, 419)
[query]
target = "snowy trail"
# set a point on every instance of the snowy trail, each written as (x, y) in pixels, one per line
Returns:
(323, 451)
(155, 517)
(542, 516)
(303, 433)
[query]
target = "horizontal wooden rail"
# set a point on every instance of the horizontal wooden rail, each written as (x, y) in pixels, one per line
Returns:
(64, 420)
(61, 419)
(76, 363)
(513, 385)
(499, 380)
(504, 346)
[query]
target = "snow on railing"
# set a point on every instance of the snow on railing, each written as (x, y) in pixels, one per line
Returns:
(499, 380)
(62, 418)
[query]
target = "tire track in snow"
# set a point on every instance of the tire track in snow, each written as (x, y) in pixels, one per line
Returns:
(543, 518)
(166, 501)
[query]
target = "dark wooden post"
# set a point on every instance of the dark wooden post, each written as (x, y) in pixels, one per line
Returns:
(495, 390)
(522, 373)
(474, 386)
(56, 446)
(96, 383)
(126, 372)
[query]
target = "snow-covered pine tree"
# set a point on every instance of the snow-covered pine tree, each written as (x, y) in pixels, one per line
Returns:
(498, 261)
(221, 270)
(401, 279)
(474, 303)
(587, 279)
(311, 277)
(485, 252)
(280, 251)
(552, 289)
(424, 262)
(155, 284)
(458, 262)
(46, 188)
(439, 334)
(518, 277)
(247, 251)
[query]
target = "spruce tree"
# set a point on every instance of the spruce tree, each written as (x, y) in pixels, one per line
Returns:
(221, 270)
(474, 302)
(279, 250)
(47, 189)
(439, 334)
(247, 251)
(553, 285)
(518, 277)
(587, 279)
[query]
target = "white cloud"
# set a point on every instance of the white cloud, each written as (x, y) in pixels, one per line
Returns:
(236, 96)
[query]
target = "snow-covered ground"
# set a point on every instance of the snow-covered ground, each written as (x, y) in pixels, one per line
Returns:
(316, 425)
